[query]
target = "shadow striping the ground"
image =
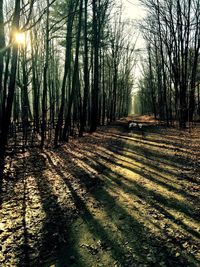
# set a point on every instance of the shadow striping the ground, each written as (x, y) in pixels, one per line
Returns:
(129, 203)
(167, 249)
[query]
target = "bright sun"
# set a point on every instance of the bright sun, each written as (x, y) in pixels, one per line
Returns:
(20, 38)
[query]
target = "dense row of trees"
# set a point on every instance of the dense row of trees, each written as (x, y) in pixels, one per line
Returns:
(170, 84)
(64, 65)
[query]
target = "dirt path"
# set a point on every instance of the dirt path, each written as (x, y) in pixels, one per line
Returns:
(133, 200)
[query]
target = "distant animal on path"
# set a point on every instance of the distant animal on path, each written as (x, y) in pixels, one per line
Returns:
(138, 126)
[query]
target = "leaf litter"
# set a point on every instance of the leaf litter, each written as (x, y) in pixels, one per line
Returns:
(114, 198)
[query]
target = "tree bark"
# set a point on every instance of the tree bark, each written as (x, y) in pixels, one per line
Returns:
(11, 89)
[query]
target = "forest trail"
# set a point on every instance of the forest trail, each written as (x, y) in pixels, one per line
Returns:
(113, 198)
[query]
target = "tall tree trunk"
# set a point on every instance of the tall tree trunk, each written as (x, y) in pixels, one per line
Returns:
(151, 83)
(11, 89)
(35, 84)
(86, 74)
(75, 78)
(45, 83)
(68, 54)
(166, 116)
(95, 86)
(195, 66)
(2, 45)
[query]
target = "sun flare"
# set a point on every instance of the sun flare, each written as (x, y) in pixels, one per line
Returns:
(20, 38)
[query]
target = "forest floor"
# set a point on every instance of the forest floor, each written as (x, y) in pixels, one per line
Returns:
(114, 198)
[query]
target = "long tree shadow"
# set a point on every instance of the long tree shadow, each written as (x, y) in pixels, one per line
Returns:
(156, 200)
(148, 130)
(128, 142)
(153, 157)
(25, 260)
(157, 197)
(166, 142)
(54, 233)
(173, 203)
(139, 232)
(57, 224)
(146, 172)
(98, 230)
(56, 240)
(147, 248)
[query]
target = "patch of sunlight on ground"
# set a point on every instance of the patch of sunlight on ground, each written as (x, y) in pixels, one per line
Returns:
(186, 220)
(125, 172)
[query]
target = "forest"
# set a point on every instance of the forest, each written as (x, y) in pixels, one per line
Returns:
(99, 133)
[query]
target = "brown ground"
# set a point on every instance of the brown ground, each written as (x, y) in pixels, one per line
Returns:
(114, 198)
